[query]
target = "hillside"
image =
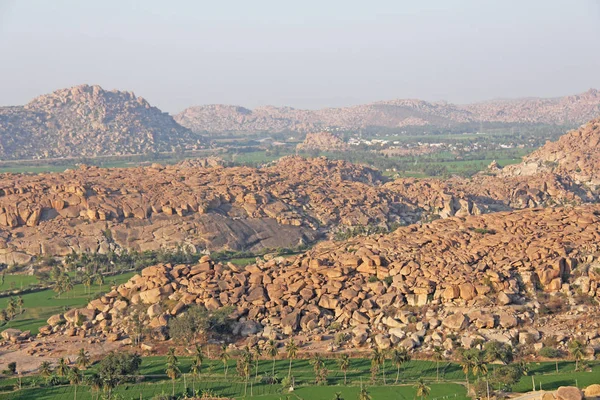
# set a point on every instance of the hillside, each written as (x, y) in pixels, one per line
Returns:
(575, 155)
(574, 109)
(87, 121)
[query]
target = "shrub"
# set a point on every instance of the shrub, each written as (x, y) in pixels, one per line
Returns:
(373, 279)
(549, 352)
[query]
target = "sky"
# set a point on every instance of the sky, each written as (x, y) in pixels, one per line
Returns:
(304, 54)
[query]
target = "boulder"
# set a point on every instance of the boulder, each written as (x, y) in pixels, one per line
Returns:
(568, 393)
(457, 321)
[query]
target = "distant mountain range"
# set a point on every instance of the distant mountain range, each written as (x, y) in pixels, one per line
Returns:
(576, 109)
(88, 121)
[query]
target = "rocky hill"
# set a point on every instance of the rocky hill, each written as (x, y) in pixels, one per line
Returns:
(87, 121)
(574, 109)
(203, 205)
(575, 155)
(324, 141)
(452, 281)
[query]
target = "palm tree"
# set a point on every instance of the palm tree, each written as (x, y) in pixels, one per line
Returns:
(75, 379)
(19, 303)
(99, 280)
(317, 363)
(172, 370)
(67, 283)
(466, 363)
(479, 367)
(95, 382)
(344, 363)
(62, 369)
(224, 357)
(338, 396)
(378, 359)
(11, 308)
(196, 368)
(364, 394)
(87, 280)
(256, 353)
(243, 367)
(438, 355)
(422, 389)
(83, 359)
(45, 369)
(292, 350)
(399, 357)
(576, 349)
(272, 352)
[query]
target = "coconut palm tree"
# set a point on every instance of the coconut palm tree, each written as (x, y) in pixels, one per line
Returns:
(99, 280)
(243, 367)
(62, 369)
(364, 394)
(83, 359)
(479, 367)
(399, 357)
(344, 363)
(19, 303)
(378, 359)
(466, 362)
(438, 355)
(272, 352)
(196, 368)
(338, 396)
(224, 357)
(172, 370)
(422, 389)
(292, 350)
(67, 283)
(75, 378)
(318, 363)
(45, 369)
(94, 381)
(576, 349)
(87, 280)
(256, 353)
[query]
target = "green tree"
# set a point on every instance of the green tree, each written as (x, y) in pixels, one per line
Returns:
(364, 394)
(378, 358)
(292, 350)
(94, 381)
(172, 370)
(75, 378)
(83, 359)
(319, 368)
(99, 280)
(438, 355)
(45, 369)
(62, 369)
(256, 354)
(576, 349)
(88, 280)
(196, 368)
(272, 352)
(224, 357)
(422, 389)
(399, 357)
(244, 363)
(344, 364)
(19, 303)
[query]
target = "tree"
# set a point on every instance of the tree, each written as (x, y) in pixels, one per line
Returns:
(576, 349)
(99, 280)
(83, 359)
(243, 367)
(172, 370)
(224, 357)
(115, 368)
(344, 363)
(466, 363)
(496, 351)
(19, 303)
(272, 352)
(438, 355)
(67, 283)
(399, 357)
(422, 389)
(94, 382)
(320, 371)
(62, 369)
(196, 368)
(338, 396)
(256, 353)
(11, 309)
(87, 280)
(364, 394)
(45, 369)
(479, 366)
(75, 378)
(378, 358)
(292, 350)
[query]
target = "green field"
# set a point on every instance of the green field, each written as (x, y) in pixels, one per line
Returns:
(39, 306)
(18, 282)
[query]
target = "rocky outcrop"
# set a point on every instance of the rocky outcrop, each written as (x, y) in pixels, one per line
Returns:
(323, 141)
(391, 114)
(575, 155)
(88, 121)
(411, 286)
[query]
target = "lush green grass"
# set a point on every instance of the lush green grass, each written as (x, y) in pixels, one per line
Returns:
(17, 282)
(545, 373)
(39, 306)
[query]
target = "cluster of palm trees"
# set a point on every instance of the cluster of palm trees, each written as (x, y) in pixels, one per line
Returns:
(399, 356)
(73, 374)
(13, 308)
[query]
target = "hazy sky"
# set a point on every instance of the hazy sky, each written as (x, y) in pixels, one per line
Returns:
(303, 53)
